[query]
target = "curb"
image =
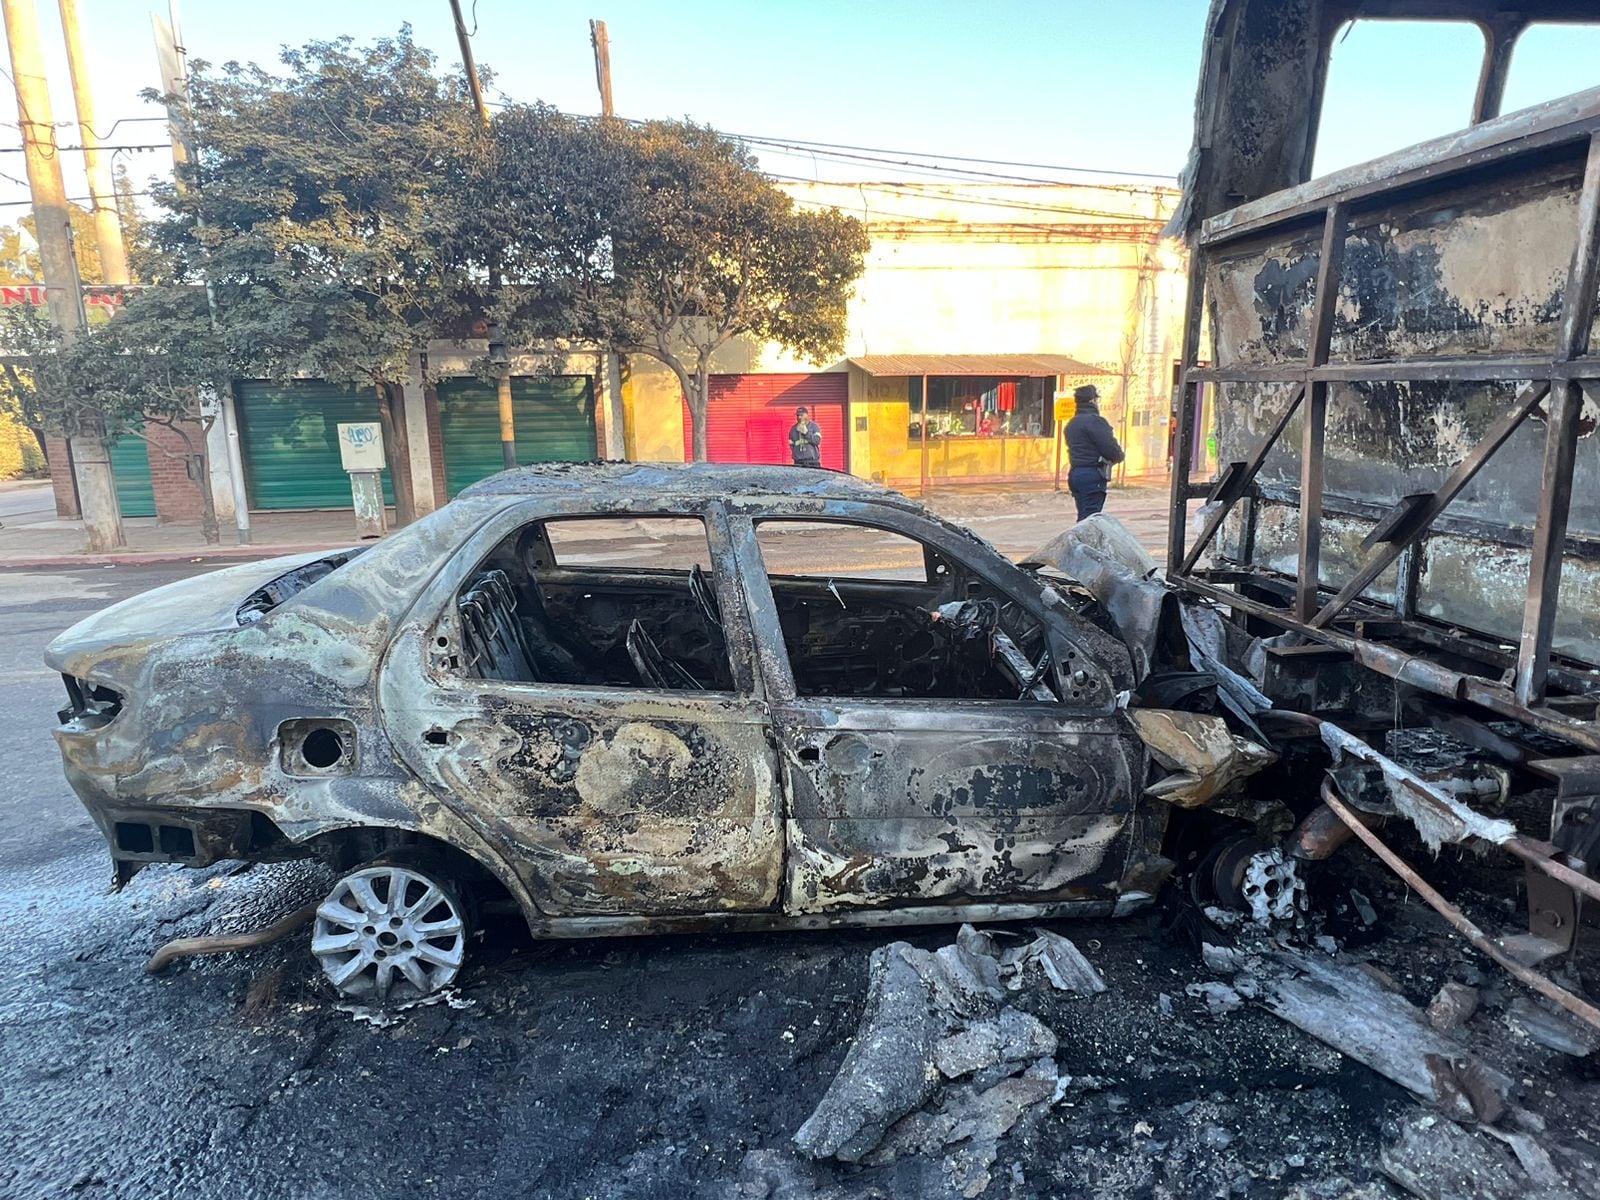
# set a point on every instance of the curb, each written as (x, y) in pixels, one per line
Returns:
(141, 558)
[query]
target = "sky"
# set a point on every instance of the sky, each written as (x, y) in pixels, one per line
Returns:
(1102, 85)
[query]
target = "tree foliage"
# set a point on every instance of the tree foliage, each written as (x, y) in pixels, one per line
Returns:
(19, 249)
(663, 239)
(158, 362)
(319, 206)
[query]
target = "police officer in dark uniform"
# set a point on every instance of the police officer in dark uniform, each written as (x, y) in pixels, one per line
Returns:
(1092, 450)
(805, 440)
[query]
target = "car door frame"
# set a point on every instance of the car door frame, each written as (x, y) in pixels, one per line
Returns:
(830, 862)
(445, 725)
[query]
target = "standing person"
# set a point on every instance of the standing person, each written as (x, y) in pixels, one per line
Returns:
(1091, 451)
(805, 439)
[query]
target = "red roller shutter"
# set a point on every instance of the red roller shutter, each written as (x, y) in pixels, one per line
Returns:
(748, 417)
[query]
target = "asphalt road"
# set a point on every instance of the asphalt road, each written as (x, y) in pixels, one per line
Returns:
(651, 1067)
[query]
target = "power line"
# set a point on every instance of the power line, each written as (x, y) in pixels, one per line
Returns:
(993, 162)
(1065, 210)
(802, 149)
(63, 149)
(70, 199)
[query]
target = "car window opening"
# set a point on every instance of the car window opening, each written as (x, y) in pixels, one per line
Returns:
(567, 601)
(868, 612)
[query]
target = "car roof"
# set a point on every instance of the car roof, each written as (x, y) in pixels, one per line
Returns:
(681, 481)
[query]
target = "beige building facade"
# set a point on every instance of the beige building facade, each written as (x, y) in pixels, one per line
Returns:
(978, 307)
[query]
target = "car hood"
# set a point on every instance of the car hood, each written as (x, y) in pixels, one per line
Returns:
(197, 605)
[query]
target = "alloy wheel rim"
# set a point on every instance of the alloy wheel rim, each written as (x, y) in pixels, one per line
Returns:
(389, 930)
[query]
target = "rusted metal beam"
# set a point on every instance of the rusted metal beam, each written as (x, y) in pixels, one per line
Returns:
(1420, 516)
(1408, 668)
(1500, 35)
(1560, 447)
(1519, 536)
(1568, 121)
(1481, 941)
(1238, 480)
(1460, 368)
(1315, 422)
(1188, 390)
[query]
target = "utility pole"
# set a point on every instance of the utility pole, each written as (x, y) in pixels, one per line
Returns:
(602, 65)
(610, 362)
(96, 163)
(497, 347)
(97, 490)
(228, 494)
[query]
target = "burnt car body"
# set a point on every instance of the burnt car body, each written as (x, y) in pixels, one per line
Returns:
(622, 747)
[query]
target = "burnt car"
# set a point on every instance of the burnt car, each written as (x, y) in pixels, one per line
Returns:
(625, 699)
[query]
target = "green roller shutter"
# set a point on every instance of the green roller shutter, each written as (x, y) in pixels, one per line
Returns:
(130, 467)
(555, 423)
(289, 438)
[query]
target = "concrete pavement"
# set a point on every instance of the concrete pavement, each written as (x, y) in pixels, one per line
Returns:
(1016, 519)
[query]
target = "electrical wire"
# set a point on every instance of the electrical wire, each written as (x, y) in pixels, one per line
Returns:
(891, 189)
(993, 162)
(803, 151)
(69, 199)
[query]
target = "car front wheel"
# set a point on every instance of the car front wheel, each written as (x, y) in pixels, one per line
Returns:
(392, 931)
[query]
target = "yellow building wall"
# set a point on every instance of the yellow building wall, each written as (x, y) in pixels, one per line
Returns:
(19, 449)
(652, 407)
(960, 269)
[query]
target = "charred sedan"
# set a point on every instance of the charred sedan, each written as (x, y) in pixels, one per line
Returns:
(624, 699)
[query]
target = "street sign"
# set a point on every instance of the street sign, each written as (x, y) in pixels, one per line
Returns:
(361, 446)
(1066, 407)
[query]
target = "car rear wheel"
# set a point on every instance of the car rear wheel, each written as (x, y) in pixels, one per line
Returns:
(392, 930)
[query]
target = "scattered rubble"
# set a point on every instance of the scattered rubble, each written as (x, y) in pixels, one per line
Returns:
(1436, 1159)
(1551, 1030)
(1452, 1006)
(1355, 1015)
(941, 1015)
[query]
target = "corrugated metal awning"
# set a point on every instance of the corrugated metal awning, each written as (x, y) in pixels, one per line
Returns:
(973, 364)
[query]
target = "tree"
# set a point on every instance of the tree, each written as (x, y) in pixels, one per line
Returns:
(317, 204)
(19, 249)
(158, 362)
(662, 239)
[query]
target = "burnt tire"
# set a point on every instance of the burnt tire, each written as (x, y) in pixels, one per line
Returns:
(395, 929)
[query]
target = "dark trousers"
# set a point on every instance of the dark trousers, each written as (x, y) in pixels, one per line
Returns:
(1088, 488)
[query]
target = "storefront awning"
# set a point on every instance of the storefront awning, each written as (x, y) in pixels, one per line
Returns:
(973, 364)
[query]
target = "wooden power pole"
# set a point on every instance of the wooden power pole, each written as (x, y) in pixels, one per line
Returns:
(97, 491)
(602, 65)
(610, 363)
(508, 417)
(96, 163)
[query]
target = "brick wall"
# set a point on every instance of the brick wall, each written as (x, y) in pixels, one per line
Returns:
(178, 498)
(61, 484)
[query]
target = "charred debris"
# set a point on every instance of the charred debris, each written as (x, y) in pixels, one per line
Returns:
(945, 1064)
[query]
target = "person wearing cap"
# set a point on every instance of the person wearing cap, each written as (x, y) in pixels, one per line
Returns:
(1092, 450)
(805, 439)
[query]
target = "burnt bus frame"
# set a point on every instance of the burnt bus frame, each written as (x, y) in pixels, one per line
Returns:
(1541, 692)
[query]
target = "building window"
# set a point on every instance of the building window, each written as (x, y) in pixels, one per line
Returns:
(984, 406)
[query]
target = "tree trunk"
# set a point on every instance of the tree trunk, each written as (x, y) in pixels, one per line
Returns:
(397, 451)
(208, 504)
(698, 399)
(44, 451)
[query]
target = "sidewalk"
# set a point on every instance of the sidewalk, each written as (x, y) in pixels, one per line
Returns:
(1017, 520)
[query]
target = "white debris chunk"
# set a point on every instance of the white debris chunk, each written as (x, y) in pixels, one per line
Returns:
(1061, 961)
